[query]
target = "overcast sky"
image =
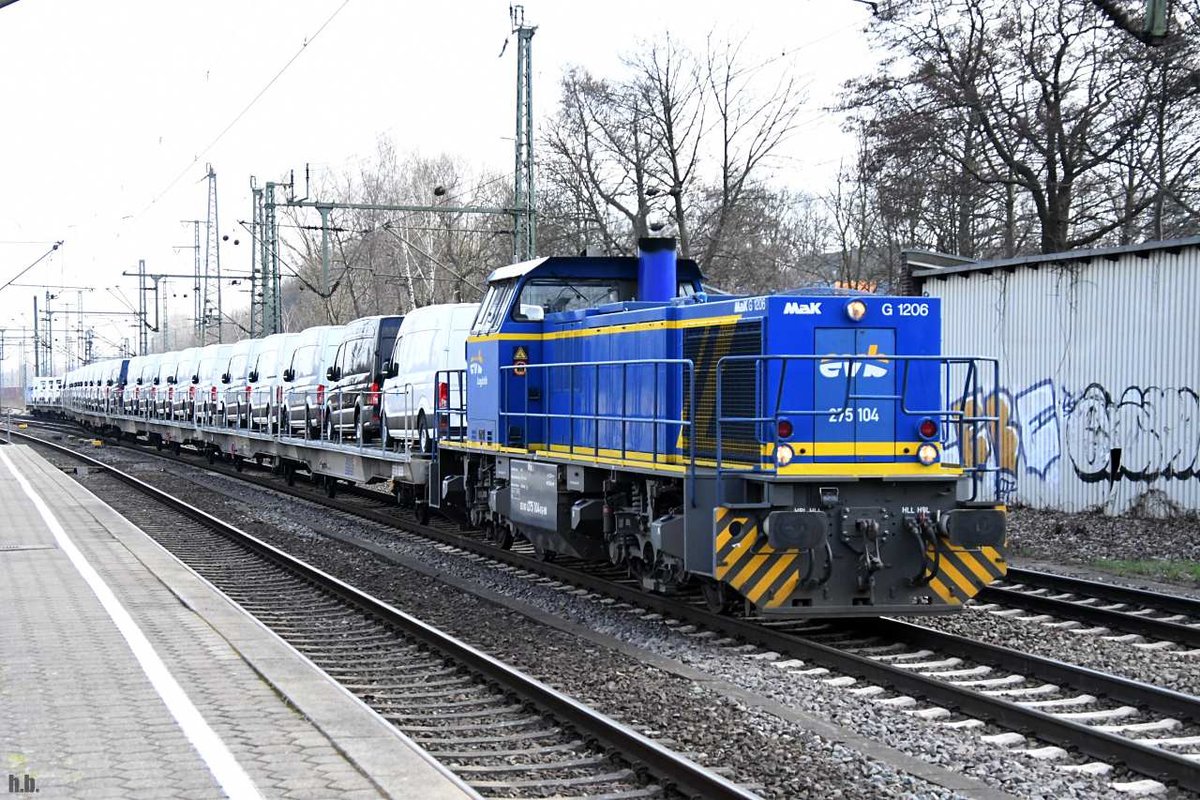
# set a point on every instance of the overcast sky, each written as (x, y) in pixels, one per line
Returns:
(109, 111)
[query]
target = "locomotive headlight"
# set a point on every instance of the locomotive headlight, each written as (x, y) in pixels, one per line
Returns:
(856, 310)
(927, 454)
(783, 455)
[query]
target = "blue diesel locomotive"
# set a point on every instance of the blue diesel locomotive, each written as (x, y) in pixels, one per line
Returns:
(784, 452)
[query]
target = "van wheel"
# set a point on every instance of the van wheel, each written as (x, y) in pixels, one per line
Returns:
(360, 431)
(328, 426)
(425, 441)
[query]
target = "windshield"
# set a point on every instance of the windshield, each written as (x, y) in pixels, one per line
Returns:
(557, 295)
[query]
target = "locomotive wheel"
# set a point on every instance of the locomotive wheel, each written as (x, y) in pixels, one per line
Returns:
(717, 597)
(501, 535)
(504, 537)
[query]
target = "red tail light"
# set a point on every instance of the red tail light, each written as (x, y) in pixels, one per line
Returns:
(278, 394)
(443, 395)
(171, 393)
(213, 394)
(248, 390)
(373, 394)
(191, 392)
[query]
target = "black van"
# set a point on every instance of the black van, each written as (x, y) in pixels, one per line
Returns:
(356, 378)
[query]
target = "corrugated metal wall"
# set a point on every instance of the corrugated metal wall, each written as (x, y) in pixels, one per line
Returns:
(1100, 377)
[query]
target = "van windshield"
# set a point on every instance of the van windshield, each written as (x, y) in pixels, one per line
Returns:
(303, 359)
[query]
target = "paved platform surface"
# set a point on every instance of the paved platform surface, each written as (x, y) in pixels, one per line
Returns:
(123, 674)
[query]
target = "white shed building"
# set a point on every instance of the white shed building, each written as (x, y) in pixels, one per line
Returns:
(1099, 352)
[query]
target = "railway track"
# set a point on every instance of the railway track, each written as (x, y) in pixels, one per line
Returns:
(1099, 608)
(946, 679)
(505, 733)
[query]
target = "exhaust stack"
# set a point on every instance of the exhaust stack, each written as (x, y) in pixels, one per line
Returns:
(656, 279)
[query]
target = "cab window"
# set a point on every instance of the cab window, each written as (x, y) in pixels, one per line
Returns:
(554, 295)
(491, 311)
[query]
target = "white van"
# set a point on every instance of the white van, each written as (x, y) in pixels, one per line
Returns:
(431, 339)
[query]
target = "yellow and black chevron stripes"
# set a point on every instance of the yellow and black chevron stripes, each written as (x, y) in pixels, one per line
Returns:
(963, 572)
(763, 575)
(768, 577)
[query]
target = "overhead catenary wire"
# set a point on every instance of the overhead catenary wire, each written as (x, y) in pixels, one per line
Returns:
(203, 152)
(37, 261)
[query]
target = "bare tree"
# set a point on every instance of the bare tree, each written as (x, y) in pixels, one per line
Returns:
(1044, 105)
(749, 128)
(387, 262)
(692, 137)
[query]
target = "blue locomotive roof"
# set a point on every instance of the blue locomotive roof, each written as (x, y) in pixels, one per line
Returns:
(600, 266)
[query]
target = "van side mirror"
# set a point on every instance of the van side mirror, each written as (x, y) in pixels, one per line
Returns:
(533, 313)
(253, 376)
(224, 377)
(110, 383)
(393, 369)
(331, 374)
(289, 374)
(195, 379)
(156, 381)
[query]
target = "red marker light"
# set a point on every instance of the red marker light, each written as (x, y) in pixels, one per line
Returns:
(928, 428)
(784, 428)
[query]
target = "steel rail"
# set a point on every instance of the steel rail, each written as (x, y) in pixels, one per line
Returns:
(1174, 603)
(673, 769)
(1109, 618)
(1138, 757)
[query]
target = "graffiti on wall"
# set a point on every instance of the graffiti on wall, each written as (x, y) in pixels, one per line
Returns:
(1134, 437)
(1023, 438)
(1143, 434)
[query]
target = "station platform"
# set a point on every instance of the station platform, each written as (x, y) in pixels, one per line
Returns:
(124, 674)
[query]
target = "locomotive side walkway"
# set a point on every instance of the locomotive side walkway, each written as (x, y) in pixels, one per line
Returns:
(124, 674)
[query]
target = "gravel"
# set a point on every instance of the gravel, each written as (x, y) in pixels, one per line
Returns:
(785, 758)
(1083, 538)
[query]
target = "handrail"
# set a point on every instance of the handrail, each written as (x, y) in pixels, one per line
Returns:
(655, 421)
(949, 418)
